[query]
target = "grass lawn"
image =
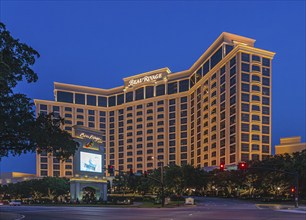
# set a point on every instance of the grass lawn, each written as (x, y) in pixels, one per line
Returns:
(145, 204)
(76, 205)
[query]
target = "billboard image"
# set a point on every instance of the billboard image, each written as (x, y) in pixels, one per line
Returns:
(90, 162)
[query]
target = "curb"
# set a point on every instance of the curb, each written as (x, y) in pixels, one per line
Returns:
(279, 206)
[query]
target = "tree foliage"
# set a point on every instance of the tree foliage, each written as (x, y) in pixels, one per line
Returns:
(47, 132)
(20, 132)
(271, 177)
(49, 188)
(260, 180)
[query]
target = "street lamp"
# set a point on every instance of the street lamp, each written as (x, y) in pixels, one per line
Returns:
(161, 180)
(277, 192)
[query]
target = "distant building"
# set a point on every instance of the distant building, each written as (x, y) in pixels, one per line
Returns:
(15, 177)
(290, 145)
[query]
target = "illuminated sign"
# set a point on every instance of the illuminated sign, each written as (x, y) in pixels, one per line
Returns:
(91, 145)
(90, 162)
(144, 79)
(91, 137)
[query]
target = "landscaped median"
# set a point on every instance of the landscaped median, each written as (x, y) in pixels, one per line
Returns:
(145, 201)
(120, 202)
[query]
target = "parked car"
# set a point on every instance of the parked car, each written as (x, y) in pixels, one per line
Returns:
(1, 203)
(15, 203)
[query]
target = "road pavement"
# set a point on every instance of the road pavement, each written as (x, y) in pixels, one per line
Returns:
(206, 208)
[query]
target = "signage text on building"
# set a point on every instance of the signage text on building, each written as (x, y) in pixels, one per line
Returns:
(91, 137)
(144, 79)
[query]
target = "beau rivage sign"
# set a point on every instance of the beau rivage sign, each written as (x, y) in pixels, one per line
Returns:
(145, 79)
(91, 137)
(87, 135)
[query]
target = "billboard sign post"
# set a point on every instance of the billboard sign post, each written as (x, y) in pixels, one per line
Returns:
(88, 163)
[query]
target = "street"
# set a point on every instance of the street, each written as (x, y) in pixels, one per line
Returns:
(206, 208)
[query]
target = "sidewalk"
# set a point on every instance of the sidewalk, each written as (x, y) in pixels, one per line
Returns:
(137, 204)
(281, 207)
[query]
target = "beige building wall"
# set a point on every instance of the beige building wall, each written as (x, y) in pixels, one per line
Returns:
(290, 145)
(219, 110)
(15, 177)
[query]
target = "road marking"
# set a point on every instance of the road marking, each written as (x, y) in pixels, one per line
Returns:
(22, 217)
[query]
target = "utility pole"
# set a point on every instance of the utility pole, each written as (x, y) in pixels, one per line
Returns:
(162, 184)
(296, 194)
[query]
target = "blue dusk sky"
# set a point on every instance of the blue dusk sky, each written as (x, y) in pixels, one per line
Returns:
(97, 43)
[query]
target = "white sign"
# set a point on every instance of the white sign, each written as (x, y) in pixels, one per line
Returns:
(133, 82)
(91, 137)
(90, 162)
(189, 201)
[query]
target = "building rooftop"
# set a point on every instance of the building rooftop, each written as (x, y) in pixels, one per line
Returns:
(290, 140)
(290, 145)
(165, 73)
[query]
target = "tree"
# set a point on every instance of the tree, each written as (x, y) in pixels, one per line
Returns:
(50, 188)
(20, 132)
(299, 159)
(56, 186)
(49, 136)
(173, 179)
(120, 183)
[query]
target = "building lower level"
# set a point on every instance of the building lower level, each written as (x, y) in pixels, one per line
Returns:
(217, 111)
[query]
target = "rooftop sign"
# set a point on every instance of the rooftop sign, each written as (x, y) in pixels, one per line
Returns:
(144, 79)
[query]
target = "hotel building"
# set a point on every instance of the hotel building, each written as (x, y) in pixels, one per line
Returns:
(218, 110)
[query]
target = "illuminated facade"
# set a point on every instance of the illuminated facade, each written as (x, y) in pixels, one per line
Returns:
(219, 110)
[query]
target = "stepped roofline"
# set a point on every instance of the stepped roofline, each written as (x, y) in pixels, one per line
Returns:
(153, 76)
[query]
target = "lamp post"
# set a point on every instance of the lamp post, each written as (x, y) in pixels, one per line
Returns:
(161, 181)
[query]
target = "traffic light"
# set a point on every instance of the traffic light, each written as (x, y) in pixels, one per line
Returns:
(222, 166)
(292, 189)
(110, 170)
(131, 172)
(242, 166)
(145, 174)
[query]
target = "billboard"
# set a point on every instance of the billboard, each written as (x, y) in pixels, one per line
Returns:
(90, 162)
